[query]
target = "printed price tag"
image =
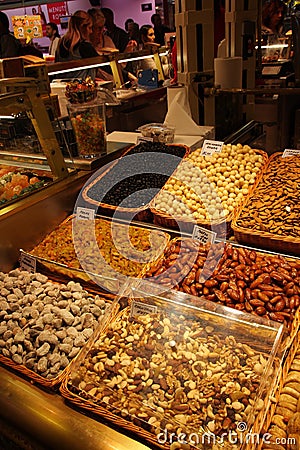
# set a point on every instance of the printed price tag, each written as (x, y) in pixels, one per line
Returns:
(27, 262)
(85, 213)
(141, 139)
(139, 308)
(290, 152)
(211, 147)
(203, 235)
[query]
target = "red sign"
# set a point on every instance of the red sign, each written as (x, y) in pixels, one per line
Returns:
(56, 10)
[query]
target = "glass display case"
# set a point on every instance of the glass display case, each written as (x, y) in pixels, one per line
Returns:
(173, 373)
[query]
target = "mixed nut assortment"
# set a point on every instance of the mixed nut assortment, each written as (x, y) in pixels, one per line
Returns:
(210, 187)
(43, 324)
(171, 371)
(274, 206)
(265, 285)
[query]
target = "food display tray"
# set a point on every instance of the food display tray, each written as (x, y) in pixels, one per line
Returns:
(221, 226)
(241, 278)
(45, 326)
(153, 339)
(265, 239)
(73, 251)
(133, 180)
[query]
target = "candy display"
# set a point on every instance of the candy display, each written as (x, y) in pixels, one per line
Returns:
(81, 91)
(89, 128)
(16, 182)
(87, 118)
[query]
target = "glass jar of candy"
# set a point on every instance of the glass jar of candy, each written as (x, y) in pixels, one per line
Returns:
(88, 122)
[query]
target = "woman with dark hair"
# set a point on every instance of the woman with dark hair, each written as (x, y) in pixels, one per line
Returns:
(147, 38)
(75, 44)
(273, 13)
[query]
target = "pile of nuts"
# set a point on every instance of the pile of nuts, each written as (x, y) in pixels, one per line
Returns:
(265, 285)
(43, 324)
(274, 206)
(285, 423)
(169, 371)
(120, 246)
(210, 187)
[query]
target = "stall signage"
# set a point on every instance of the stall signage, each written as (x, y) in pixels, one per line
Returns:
(85, 213)
(27, 262)
(56, 10)
(27, 27)
(203, 235)
(290, 152)
(139, 308)
(211, 147)
(141, 139)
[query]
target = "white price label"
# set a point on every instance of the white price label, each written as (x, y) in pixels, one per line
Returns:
(203, 235)
(85, 213)
(27, 262)
(211, 147)
(141, 139)
(290, 152)
(139, 308)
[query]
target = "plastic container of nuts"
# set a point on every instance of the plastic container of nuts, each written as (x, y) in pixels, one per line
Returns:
(162, 369)
(158, 132)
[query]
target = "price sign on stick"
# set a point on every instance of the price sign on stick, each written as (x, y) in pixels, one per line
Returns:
(211, 147)
(203, 235)
(85, 213)
(27, 262)
(290, 152)
(139, 308)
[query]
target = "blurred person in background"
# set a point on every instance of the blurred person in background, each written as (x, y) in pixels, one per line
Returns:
(119, 37)
(53, 34)
(127, 22)
(9, 45)
(133, 32)
(159, 29)
(147, 38)
(273, 13)
(99, 38)
(75, 44)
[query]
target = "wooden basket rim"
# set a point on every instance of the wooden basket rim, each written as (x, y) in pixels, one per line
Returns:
(102, 175)
(206, 222)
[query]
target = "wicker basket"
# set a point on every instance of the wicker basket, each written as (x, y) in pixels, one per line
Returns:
(98, 280)
(141, 213)
(111, 413)
(263, 239)
(51, 383)
(293, 325)
(294, 348)
(221, 227)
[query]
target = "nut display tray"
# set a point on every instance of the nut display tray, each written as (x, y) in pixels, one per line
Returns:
(43, 324)
(206, 190)
(128, 185)
(99, 252)
(160, 368)
(270, 217)
(256, 282)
